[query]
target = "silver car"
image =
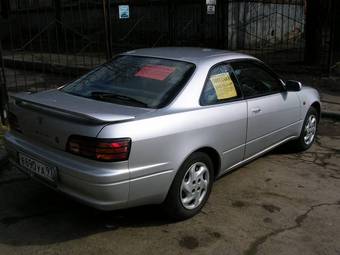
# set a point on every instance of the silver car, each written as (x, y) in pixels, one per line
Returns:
(158, 126)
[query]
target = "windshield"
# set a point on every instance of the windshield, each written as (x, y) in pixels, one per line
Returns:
(133, 80)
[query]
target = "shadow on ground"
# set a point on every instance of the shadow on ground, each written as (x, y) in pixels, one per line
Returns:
(39, 216)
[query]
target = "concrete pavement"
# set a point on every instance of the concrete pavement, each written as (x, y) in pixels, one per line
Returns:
(282, 203)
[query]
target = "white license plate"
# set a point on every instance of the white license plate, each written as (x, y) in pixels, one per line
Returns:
(38, 168)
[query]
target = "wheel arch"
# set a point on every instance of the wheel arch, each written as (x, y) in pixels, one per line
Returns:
(214, 156)
(317, 106)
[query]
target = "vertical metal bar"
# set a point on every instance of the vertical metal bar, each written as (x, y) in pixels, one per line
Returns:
(43, 55)
(262, 30)
(80, 9)
(331, 37)
(257, 38)
(203, 21)
(3, 89)
(221, 22)
(296, 37)
(58, 17)
(2, 66)
(288, 48)
(171, 21)
(109, 25)
(13, 57)
(298, 20)
(87, 32)
(58, 20)
(276, 26)
(302, 43)
(73, 21)
(227, 24)
(108, 34)
(49, 35)
(237, 10)
(98, 45)
(22, 53)
(30, 47)
(244, 24)
(67, 52)
(218, 19)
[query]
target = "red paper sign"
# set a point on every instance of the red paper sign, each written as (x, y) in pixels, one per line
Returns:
(155, 72)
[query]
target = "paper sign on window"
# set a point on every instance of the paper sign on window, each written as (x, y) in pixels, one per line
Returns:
(155, 72)
(223, 85)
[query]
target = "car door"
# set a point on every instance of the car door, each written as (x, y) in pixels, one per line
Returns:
(222, 97)
(273, 113)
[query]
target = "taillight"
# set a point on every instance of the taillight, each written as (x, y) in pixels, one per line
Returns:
(111, 150)
(13, 122)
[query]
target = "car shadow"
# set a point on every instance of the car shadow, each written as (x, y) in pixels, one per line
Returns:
(284, 149)
(40, 216)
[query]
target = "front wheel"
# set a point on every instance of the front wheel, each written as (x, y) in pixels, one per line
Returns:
(309, 131)
(191, 187)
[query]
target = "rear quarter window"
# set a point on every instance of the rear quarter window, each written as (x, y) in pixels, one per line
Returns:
(220, 86)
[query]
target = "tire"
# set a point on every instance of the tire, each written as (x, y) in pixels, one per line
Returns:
(181, 204)
(302, 144)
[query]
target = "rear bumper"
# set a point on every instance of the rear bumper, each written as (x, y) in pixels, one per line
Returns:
(104, 186)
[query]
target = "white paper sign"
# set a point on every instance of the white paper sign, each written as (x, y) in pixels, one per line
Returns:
(124, 11)
(211, 9)
(211, 2)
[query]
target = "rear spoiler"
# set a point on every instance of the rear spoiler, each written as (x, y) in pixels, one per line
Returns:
(62, 113)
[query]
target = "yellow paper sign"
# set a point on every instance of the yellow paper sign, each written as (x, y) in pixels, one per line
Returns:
(223, 85)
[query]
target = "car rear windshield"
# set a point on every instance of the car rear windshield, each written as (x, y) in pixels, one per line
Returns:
(132, 80)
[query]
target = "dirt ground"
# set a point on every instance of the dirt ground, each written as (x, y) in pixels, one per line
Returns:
(282, 203)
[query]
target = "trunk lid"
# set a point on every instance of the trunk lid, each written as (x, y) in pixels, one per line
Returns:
(50, 117)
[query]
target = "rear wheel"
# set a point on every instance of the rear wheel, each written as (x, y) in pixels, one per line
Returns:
(308, 132)
(191, 187)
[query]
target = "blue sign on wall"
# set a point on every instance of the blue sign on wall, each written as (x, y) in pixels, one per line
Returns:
(124, 11)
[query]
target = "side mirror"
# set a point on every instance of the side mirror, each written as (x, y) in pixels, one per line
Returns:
(293, 85)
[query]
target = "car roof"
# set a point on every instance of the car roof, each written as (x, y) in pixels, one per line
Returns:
(188, 54)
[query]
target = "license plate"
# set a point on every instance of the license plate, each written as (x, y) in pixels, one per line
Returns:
(35, 167)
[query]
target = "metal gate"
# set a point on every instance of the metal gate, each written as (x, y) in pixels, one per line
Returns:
(49, 42)
(46, 43)
(271, 29)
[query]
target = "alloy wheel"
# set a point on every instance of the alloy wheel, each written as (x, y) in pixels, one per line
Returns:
(310, 129)
(194, 185)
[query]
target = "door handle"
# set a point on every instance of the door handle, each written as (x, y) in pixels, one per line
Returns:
(256, 110)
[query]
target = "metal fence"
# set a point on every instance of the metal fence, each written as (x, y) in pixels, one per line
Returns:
(46, 43)
(331, 37)
(3, 91)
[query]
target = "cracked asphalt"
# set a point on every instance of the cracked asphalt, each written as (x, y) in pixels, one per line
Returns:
(282, 203)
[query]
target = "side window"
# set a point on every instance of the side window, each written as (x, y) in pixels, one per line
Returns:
(254, 80)
(221, 86)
